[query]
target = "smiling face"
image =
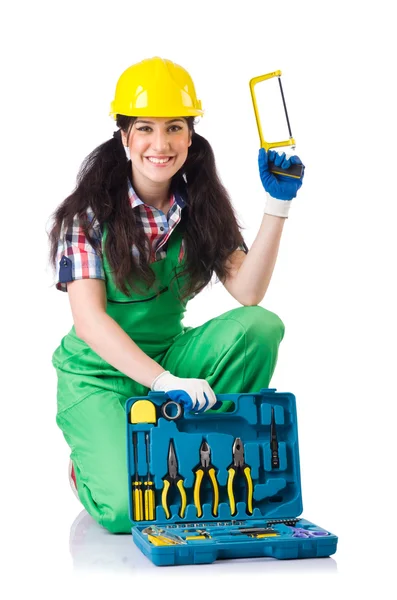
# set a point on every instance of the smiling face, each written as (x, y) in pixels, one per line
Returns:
(158, 148)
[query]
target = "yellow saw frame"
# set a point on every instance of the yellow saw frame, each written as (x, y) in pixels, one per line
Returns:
(294, 171)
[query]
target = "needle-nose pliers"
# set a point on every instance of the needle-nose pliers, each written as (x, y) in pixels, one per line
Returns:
(205, 467)
(239, 465)
(173, 478)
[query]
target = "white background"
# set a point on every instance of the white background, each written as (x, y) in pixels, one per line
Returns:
(333, 285)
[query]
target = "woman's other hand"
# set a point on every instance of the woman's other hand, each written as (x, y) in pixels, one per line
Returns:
(193, 394)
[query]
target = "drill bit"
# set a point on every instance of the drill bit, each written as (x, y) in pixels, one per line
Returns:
(274, 443)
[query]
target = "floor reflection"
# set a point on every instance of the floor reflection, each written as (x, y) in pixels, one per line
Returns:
(92, 547)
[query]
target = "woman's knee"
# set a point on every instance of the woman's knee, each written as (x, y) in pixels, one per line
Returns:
(260, 322)
(115, 515)
(104, 496)
(108, 499)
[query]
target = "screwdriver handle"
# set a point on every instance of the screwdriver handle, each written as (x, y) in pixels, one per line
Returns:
(149, 501)
(294, 171)
(137, 500)
(262, 535)
(158, 540)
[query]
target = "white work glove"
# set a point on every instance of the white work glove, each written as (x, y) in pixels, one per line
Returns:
(194, 394)
(276, 207)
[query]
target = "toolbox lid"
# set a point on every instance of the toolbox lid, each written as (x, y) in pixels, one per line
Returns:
(265, 484)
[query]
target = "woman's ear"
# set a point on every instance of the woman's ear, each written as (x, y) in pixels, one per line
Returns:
(123, 137)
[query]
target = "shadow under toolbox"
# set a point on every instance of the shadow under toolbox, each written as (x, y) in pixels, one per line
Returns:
(213, 485)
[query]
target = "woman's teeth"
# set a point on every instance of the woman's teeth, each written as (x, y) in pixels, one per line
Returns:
(159, 160)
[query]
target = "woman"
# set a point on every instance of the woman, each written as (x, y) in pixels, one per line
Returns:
(147, 226)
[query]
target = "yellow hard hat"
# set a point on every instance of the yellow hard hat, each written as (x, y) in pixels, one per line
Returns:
(155, 87)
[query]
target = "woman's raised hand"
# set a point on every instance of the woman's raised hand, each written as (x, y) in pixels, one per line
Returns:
(278, 186)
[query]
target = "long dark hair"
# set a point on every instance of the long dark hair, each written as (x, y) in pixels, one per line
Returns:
(210, 227)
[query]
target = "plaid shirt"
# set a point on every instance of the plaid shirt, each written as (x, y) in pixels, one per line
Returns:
(77, 259)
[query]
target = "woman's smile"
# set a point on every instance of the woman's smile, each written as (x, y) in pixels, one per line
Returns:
(158, 161)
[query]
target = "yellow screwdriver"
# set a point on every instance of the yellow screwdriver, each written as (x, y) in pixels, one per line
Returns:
(149, 487)
(137, 485)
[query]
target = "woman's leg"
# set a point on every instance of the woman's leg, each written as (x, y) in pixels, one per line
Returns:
(235, 352)
(95, 430)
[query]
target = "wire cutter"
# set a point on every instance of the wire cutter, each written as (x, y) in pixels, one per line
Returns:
(205, 467)
(239, 465)
(173, 478)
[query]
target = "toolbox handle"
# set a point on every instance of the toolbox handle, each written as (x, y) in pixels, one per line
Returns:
(181, 397)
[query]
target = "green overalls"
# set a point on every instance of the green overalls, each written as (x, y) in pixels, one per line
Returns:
(235, 352)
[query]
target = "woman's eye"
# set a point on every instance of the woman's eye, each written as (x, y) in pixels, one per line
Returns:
(177, 127)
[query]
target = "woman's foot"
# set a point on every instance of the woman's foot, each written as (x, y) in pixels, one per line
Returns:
(72, 480)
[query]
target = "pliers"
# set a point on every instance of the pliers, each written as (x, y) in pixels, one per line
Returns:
(239, 465)
(173, 478)
(205, 467)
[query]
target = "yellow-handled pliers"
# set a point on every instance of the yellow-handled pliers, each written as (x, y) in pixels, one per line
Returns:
(173, 478)
(205, 467)
(239, 465)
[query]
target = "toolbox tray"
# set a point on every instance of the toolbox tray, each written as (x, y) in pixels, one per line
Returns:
(276, 491)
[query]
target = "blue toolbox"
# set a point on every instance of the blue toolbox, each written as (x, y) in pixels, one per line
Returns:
(216, 485)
